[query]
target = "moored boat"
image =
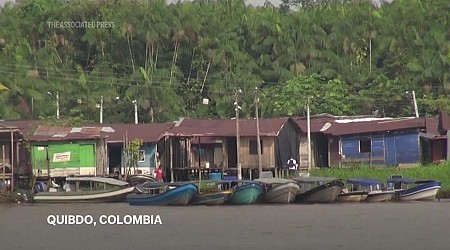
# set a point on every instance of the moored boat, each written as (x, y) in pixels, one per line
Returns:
(351, 196)
(160, 194)
(215, 198)
(87, 189)
(139, 179)
(377, 193)
(245, 193)
(318, 189)
(278, 190)
(421, 190)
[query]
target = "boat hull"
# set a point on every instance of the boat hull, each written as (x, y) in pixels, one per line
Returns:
(179, 196)
(424, 192)
(356, 196)
(282, 194)
(87, 196)
(211, 199)
(246, 194)
(326, 193)
(379, 196)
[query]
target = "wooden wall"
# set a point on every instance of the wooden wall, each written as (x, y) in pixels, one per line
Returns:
(303, 153)
(268, 152)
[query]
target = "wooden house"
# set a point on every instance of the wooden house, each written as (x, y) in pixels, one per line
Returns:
(375, 141)
(10, 140)
(63, 151)
(208, 143)
(153, 138)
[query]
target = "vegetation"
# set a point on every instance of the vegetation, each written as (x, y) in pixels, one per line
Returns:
(429, 172)
(132, 150)
(350, 56)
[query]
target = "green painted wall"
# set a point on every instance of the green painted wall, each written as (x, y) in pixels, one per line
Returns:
(82, 155)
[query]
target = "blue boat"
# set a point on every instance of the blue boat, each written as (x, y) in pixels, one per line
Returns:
(375, 189)
(421, 190)
(211, 192)
(245, 192)
(164, 194)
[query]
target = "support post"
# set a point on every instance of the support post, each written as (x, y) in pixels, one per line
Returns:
(3, 166)
(238, 147)
(308, 118)
(258, 138)
(171, 160)
(12, 160)
(448, 145)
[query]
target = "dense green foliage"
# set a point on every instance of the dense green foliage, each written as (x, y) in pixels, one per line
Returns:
(349, 56)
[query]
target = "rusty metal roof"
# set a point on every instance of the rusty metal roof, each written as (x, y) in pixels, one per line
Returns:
(372, 125)
(187, 127)
(147, 132)
(51, 133)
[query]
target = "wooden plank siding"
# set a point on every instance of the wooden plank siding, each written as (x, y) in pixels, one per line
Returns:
(267, 156)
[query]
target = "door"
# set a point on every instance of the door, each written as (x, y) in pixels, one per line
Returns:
(391, 152)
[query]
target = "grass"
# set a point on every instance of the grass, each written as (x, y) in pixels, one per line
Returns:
(439, 172)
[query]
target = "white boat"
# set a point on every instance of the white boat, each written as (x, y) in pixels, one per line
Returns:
(421, 190)
(279, 190)
(351, 196)
(375, 188)
(87, 189)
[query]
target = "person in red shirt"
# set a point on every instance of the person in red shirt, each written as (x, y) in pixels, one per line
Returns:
(159, 175)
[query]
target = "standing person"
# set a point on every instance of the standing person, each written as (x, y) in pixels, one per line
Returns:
(292, 165)
(159, 175)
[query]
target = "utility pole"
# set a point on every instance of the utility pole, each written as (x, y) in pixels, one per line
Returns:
(308, 121)
(415, 104)
(57, 105)
(238, 147)
(135, 112)
(258, 139)
(413, 93)
(101, 109)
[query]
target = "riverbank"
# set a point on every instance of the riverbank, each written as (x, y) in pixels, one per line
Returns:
(439, 172)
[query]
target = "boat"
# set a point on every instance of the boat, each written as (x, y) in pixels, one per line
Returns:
(421, 190)
(160, 194)
(210, 193)
(87, 189)
(244, 192)
(139, 179)
(351, 196)
(216, 198)
(375, 188)
(278, 190)
(315, 189)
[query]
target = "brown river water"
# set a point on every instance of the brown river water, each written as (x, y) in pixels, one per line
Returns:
(414, 225)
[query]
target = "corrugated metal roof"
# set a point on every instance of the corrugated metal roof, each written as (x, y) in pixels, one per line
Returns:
(373, 126)
(147, 132)
(52, 133)
(227, 127)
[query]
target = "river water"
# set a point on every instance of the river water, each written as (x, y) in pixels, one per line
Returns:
(414, 225)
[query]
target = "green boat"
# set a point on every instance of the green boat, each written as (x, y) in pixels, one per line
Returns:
(246, 194)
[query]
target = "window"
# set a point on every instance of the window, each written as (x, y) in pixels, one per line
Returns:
(365, 146)
(253, 147)
(141, 156)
